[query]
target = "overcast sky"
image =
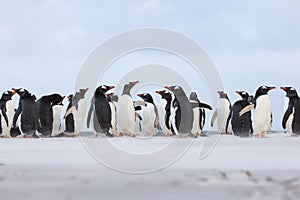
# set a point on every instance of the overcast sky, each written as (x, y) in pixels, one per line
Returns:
(44, 43)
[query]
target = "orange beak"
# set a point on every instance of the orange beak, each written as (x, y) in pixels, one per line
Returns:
(158, 92)
(238, 92)
(135, 82)
(283, 88)
(271, 88)
(140, 95)
(111, 87)
(168, 87)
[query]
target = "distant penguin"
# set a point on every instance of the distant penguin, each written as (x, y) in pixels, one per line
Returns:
(101, 110)
(69, 120)
(149, 115)
(199, 114)
(262, 111)
(184, 116)
(7, 113)
(241, 126)
(78, 109)
(291, 118)
(222, 114)
(113, 100)
(45, 112)
(164, 111)
(28, 113)
(125, 112)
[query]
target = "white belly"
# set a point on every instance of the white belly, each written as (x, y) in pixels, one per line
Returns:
(10, 111)
(57, 128)
(196, 124)
(222, 115)
(262, 115)
(79, 115)
(148, 118)
(162, 114)
(125, 115)
(113, 129)
(290, 121)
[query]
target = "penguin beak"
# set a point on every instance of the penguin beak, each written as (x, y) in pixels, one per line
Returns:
(140, 95)
(14, 92)
(283, 88)
(110, 87)
(238, 92)
(135, 82)
(158, 92)
(168, 87)
(86, 89)
(271, 88)
(220, 92)
(63, 97)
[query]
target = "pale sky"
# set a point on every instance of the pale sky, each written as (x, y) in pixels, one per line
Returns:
(44, 43)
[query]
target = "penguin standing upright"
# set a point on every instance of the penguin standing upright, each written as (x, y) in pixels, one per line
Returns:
(184, 115)
(199, 114)
(262, 111)
(291, 118)
(102, 111)
(28, 113)
(7, 113)
(126, 112)
(113, 100)
(69, 120)
(149, 115)
(241, 126)
(57, 117)
(45, 112)
(222, 114)
(78, 109)
(164, 111)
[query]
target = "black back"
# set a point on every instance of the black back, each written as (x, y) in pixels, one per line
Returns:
(69, 120)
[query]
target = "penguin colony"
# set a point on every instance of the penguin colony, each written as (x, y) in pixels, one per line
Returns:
(113, 116)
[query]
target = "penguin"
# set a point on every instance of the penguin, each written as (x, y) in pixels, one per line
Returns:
(262, 111)
(28, 113)
(149, 115)
(57, 117)
(101, 111)
(113, 100)
(45, 112)
(183, 114)
(291, 118)
(7, 113)
(164, 111)
(125, 112)
(222, 114)
(69, 120)
(199, 114)
(78, 109)
(241, 126)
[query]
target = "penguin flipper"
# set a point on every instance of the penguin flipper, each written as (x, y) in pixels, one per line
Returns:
(17, 113)
(203, 105)
(228, 121)
(69, 111)
(213, 118)
(139, 103)
(5, 116)
(246, 109)
(286, 116)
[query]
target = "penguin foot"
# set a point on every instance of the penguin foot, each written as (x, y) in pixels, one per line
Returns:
(120, 134)
(4, 136)
(131, 135)
(109, 135)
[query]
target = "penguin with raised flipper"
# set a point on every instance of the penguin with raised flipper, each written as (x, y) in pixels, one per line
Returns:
(222, 114)
(241, 126)
(184, 115)
(262, 111)
(45, 112)
(101, 111)
(7, 113)
(126, 114)
(199, 114)
(291, 118)
(28, 113)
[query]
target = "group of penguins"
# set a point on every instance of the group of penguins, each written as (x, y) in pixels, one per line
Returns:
(114, 116)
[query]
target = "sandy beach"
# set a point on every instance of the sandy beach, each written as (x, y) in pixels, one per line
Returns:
(238, 168)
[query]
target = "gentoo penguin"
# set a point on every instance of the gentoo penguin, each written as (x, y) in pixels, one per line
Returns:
(261, 111)
(27, 111)
(45, 112)
(184, 115)
(126, 112)
(69, 120)
(149, 115)
(222, 114)
(241, 126)
(57, 119)
(164, 111)
(113, 100)
(7, 112)
(101, 111)
(78, 109)
(291, 118)
(199, 114)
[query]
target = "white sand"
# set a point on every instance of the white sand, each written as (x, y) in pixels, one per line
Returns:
(237, 168)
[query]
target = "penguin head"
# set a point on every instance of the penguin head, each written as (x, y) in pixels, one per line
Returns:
(243, 94)
(22, 92)
(193, 96)
(146, 97)
(102, 89)
(70, 97)
(83, 91)
(263, 90)
(7, 95)
(177, 90)
(127, 87)
(222, 94)
(56, 99)
(250, 99)
(164, 94)
(290, 91)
